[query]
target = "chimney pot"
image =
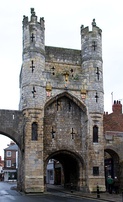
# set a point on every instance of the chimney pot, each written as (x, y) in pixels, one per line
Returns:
(117, 107)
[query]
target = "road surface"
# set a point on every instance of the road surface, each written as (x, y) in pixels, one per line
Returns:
(9, 194)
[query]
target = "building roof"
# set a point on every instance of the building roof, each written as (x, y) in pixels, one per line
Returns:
(12, 147)
(114, 121)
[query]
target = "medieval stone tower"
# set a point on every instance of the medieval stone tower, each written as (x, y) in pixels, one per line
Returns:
(61, 99)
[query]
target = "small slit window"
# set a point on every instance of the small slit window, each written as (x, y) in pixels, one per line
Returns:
(34, 131)
(95, 134)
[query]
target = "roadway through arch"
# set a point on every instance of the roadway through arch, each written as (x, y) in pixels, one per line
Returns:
(67, 169)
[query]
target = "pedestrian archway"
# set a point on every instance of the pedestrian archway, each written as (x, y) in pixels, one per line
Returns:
(111, 164)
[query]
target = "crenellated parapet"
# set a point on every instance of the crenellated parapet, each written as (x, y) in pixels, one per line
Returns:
(33, 34)
(33, 19)
(95, 29)
(91, 42)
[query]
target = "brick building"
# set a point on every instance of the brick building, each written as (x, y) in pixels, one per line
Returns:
(10, 162)
(114, 120)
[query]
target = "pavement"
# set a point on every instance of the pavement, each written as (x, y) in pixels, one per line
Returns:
(105, 196)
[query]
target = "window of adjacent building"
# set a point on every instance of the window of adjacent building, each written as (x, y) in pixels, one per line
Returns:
(8, 153)
(51, 161)
(8, 163)
(34, 131)
(95, 134)
(95, 170)
(51, 174)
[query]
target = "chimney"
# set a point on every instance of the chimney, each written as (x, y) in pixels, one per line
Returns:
(117, 107)
(11, 143)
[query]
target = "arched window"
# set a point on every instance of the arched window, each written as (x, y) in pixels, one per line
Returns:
(34, 131)
(95, 134)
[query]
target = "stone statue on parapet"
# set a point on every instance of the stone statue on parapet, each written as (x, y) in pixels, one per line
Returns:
(94, 23)
(32, 11)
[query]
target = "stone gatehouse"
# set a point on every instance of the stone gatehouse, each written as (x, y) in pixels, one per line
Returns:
(61, 110)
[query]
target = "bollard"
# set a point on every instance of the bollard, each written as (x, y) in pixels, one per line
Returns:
(71, 187)
(98, 192)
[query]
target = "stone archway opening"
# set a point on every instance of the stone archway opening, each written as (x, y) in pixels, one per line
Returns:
(65, 131)
(9, 158)
(111, 163)
(64, 168)
(4, 140)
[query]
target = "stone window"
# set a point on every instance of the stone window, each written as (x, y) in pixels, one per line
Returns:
(95, 134)
(95, 170)
(34, 131)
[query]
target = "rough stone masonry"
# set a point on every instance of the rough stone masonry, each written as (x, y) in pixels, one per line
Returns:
(61, 98)
(60, 111)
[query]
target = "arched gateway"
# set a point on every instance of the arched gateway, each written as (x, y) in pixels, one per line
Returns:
(73, 170)
(61, 110)
(65, 130)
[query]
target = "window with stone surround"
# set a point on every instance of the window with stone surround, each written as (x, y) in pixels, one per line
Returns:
(8, 153)
(95, 134)
(34, 131)
(8, 163)
(95, 170)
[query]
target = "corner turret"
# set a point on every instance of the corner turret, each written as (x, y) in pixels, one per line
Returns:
(91, 42)
(33, 65)
(35, 31)
(92, 66)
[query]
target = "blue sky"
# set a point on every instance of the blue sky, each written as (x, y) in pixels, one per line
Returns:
(63, 19)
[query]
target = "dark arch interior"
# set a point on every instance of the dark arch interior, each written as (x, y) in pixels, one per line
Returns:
(112, 158)
(70, 167)
(111, 164)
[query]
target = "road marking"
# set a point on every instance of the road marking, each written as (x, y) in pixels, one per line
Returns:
(3, 192)
(11, 197)
(6, 195)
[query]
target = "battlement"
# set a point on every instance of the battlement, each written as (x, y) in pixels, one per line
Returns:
(95, 30)
(33, 19)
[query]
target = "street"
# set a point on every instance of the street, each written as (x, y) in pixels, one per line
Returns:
(7, 194)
